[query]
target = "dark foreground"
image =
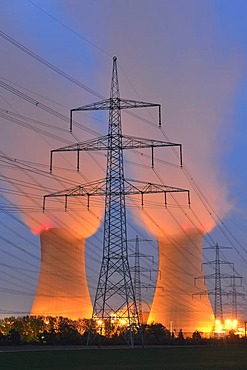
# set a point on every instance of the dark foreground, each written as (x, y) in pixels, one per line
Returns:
(232, 357)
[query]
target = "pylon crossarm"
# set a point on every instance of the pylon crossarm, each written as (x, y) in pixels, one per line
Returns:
(141, 269)
(217, 247)
(149, 286)
(223, 292)
(133, 187)
(233, 280)
(108, 104)
(208, 276)
(142, 255)
(225, 276)
(130, 103)
(201, 293)
(132, 142)
(148, 187)
(100, 143)
(99, 105)
(212, 276)
(198, 278)
(98, 188)
(89, 189)
(220, 262)
(122, 103)
(128, 142)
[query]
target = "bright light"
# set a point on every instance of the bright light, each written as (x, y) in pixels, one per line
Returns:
(119, 318)
(113, 317)
(41, 228)
(231, 324)
(240, 332)
(99, 322)
(219, 328)
(122, 322)
(228, 325)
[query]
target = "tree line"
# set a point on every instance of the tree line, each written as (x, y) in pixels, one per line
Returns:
(61, 331)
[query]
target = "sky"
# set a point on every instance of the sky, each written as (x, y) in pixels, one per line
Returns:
(189, 56)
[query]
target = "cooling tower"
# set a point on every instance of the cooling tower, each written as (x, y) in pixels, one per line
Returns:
(180, 262)
(62, 288)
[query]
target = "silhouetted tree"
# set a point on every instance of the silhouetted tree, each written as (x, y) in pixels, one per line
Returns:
(180, 339)
(14, 337)
(156, 333)
(196, 337)
(67, 332)
(3, 339)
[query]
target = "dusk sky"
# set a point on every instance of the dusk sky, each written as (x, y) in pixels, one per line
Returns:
(188, 55)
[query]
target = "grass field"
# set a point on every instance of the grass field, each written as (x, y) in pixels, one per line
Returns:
(180, 358)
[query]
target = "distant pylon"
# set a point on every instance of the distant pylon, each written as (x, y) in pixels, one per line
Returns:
(234, 294)
(115, 296)
(137, 269)
(217, 292)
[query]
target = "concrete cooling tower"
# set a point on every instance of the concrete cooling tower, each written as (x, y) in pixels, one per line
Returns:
(62, 288)
(180, 259)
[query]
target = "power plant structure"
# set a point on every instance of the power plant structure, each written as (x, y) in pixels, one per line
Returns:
(62, 287)
(115, 298)
(176, 306)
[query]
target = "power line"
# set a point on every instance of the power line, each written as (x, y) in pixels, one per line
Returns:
(49, 65)
(70, 29)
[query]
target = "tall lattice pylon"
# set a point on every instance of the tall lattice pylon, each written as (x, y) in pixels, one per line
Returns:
(115, 298)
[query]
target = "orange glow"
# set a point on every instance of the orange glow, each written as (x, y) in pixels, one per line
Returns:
(226, 326)
(62, 288)
(122, 322)
(240, 332)
(231, 324)
(113, 318)
(219, 327)
(180, 259)
(178, 214)
(39, 229)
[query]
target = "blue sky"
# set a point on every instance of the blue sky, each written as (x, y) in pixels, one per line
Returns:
(190, 56)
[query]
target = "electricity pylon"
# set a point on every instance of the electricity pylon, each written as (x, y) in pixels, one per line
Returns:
(137, 269)
(217, 291)
(234, 293)
(115, 293)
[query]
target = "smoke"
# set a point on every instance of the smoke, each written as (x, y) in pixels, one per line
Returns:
(29, 132)
(171, 53)
(28, 136)
(26, 175)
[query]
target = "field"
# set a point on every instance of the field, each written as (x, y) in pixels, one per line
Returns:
(180, 358)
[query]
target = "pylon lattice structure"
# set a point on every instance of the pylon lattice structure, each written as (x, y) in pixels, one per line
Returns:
(115, 293)
(234, 279)
(138, 269)
(217, 291)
